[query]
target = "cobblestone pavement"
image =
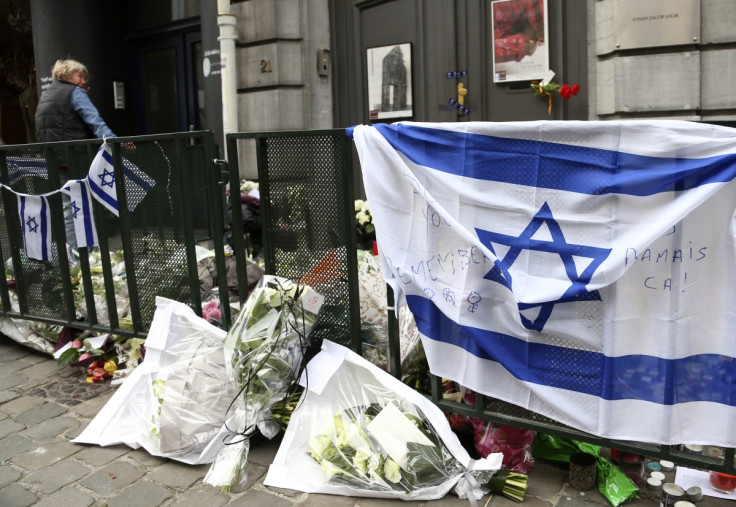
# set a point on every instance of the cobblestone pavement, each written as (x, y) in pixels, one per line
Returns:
(43, 407)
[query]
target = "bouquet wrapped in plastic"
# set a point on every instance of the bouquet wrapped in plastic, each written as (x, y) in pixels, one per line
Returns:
(263, 353)
(188, 398)
(358, 431)
(173, 404)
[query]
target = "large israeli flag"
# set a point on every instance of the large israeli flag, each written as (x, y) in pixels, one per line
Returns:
(582, 270)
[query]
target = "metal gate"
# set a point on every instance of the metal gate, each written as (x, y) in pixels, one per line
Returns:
(308, 220)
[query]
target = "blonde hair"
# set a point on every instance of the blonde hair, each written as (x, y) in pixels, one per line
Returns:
(65, 68)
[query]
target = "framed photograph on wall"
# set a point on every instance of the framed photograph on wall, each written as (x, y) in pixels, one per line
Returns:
(389, 81)
(520, 40)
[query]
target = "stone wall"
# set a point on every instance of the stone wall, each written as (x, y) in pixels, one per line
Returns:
(280, 85)
(691, 81)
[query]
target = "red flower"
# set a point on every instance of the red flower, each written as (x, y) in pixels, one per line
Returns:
(575, 89)
(565, 92)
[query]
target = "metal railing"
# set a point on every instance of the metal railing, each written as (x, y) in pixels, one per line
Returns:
(309, 233)
(307, 217)
(153, 240)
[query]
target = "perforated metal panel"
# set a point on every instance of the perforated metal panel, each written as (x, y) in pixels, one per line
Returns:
(307, 214)
(155, 229)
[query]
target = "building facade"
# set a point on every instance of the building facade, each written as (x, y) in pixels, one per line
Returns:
(314, 64)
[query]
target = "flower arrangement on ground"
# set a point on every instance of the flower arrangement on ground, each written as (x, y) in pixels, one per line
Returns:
(349, 446)
(100, 371)
(363, 217)
(359, 431)
(263, 354)
(247, 186)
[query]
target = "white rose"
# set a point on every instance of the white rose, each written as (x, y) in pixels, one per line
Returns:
(360, 461)
(391, 471)
(329, 469)
(374, 462)
(318, 444)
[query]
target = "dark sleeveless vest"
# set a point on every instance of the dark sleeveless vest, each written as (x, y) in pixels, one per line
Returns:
(56, 120)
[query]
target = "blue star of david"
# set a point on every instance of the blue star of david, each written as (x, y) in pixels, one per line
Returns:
(32, 225)
(75, 209)
(567, 251)
(103, 178)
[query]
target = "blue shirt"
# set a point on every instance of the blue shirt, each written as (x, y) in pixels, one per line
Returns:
(88, 112)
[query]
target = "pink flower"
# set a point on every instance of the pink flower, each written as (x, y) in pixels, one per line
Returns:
(76, 344)
(84, 357)
(211, 311)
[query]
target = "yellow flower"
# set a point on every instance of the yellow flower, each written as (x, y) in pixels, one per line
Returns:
(90, 380)
(110, 367)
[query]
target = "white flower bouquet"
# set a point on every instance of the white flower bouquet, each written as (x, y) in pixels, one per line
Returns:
(188, 397)
(363, 216)
(173, 403)
(359, 431)
(263, 353)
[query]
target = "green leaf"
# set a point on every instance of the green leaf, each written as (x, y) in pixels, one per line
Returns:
(69, 356)
(426, 464)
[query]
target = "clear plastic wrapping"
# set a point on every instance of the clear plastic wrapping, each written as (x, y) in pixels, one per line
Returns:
(358, 431)
(263, 353)
(174, 403)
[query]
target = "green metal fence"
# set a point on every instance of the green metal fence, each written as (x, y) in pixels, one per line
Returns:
(153, 242)
(308, 221)
(307, 216)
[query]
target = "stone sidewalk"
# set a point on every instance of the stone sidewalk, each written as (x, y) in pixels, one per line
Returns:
(43, 407)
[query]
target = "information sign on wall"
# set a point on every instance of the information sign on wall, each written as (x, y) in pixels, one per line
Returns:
(653, 23)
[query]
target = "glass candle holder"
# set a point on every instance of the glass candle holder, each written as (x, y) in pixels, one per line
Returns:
(723, 483)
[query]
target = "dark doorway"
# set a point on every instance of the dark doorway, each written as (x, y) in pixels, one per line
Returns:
(167, 83)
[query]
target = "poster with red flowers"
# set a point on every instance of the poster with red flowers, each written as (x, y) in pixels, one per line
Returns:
(520, 49)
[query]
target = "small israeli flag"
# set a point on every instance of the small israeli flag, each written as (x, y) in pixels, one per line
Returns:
(35, 221)
(81, 203)
(21, 167)
(101, 180)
